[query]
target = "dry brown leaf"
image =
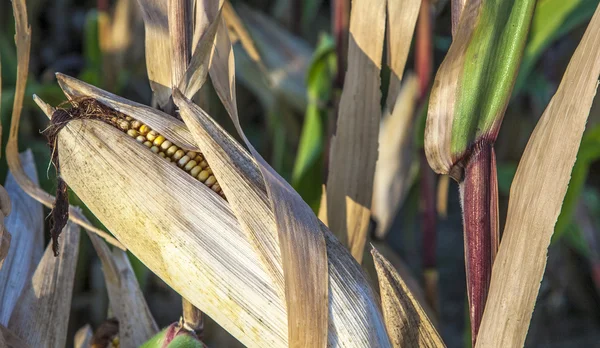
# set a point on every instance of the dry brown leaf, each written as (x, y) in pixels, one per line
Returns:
(353, 151)
(23, 41)
(180, 34)
(41, 317)
(392, 172)
(83, 337)
(158, 48)
(302, 245)
(536, 197)
(127, 303)
(406, 321)
(26, 220)
(10, 340)
(235, 24)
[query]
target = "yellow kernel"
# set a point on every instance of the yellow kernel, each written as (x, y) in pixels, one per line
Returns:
(154, 149)
(195, 171)
(161, 154)
(209, 170)
(132, 133)
(216, 187)
(178, 154)
(183, 160)
(144, 129)
(159, 140)
(147, 143)
(210, 181)
(203, 175)
(191, 154)
(114, 119)
(188, 166)
(140, 139)
(203, 164)
(151, 135)
(124, 125)
(128, 118)
(171, 150)
(135, 124)
(166, 144)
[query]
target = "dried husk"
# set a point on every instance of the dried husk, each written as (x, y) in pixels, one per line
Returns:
(260, 312)
(26, 220)
(406, 321)
(536, 197)
(353, 152)
(9, 340)
(41, 316)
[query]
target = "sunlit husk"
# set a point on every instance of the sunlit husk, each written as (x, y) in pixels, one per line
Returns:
(188, 236)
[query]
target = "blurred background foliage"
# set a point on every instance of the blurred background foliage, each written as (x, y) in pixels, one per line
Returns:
(287, 101)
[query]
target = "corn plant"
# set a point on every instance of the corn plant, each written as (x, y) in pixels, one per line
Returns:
(219, 225)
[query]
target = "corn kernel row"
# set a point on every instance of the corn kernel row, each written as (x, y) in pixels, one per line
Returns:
(192, 162)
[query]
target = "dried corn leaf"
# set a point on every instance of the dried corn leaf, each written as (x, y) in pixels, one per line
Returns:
(41, 317)
(226, 157)
(10, 340)
(234, 23)
(536, 196)
(392, 172)
(83, 337)
(23, 41)
(127, 303)
(26, 220)
(353, 151)
(219, 256)
(158, 48)
(299, 230)
(401, 20)
(406, 321)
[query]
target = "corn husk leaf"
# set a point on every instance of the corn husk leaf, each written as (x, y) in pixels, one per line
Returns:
(406, 321)
(472, 88)
(41, 317)
(83, 337)
(23, 41)
(127, 303)
(10, 340)
(536, 197)
(298, 229)
(353, 153)
(158, 48)
(392, 172)
(27, 221)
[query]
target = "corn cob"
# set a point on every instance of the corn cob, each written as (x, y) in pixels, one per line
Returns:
(192, 162)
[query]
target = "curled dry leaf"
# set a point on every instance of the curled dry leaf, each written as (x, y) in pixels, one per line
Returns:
(127, 303)
(354, 146)
(27, 222)
(301, 241)
(406, 321)
(41, 316)
(536, 197)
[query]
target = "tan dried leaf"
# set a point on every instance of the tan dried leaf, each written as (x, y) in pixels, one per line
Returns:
(27, 221)
(353, 153)
(536, 197)
(41, 317)
(406, 321)
(302, 244)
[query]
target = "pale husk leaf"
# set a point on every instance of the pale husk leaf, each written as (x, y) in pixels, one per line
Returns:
(392, 172)
(23, 41)
(226, 157)
(158, 48)
(26, 220)
(406, 321)
(536, 196)
(353, 151)
(185, 223)
(127, 303)
(302, 244)
(41, 317)
(83, 337)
